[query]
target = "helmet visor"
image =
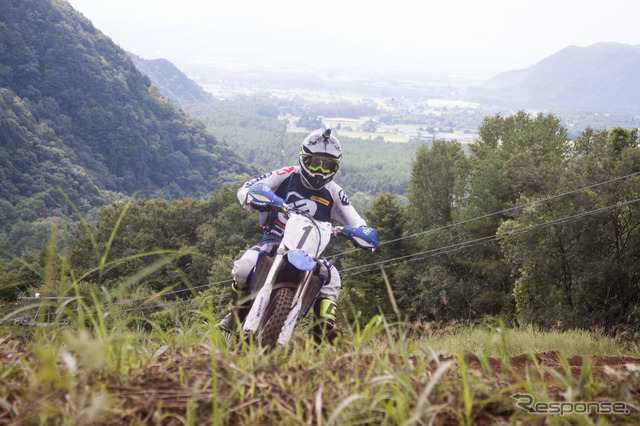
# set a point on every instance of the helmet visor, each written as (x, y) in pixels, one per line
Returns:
(318, 164)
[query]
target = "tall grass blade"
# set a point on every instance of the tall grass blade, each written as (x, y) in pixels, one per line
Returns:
(148, 270)
(24, 263)
(103, 258)
(83, 222)
(341, 407)
(392, 299)
(466, 391)
(586, 377)
(423, 400)
(117, 262)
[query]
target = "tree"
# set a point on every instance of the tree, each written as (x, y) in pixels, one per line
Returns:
(197, 231)
(75, 113)
(369, 126)
(583, 273)
(516, 156)
(309, 123)
(366, 291)
(438, 178)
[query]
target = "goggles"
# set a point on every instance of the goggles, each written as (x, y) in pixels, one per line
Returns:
(320, 164)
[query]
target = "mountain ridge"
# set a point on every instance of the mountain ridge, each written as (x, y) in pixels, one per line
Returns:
(177, 86)
(76, 115)
(600, 78)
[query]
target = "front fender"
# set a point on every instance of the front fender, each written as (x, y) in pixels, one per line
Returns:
(301, 260)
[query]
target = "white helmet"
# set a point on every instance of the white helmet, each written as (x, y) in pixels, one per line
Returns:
(320, 158)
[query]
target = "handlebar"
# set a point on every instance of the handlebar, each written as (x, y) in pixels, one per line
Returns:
(287, 209)
(363, 237)
(262, 197)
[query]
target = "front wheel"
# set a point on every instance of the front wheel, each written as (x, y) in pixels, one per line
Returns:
(279, 307)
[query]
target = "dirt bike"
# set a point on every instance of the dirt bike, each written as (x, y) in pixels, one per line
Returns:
(289, 276)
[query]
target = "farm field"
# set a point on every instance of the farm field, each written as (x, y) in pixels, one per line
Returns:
(402, 133)
(464, 116)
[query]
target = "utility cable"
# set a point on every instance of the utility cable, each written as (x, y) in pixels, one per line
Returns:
(420, 255)
(430, 253)
(167, 293)
(494, 213)
(483, 240)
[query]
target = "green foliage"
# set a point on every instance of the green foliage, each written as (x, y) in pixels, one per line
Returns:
(369, 126)
(517, 155)
(376, 374)
(309, 123)
(476, 235)
(263, 141)
(253, 126)
(374, 167)
(369, 296)
(580, 274)
(181, 90)
(201, 231)
(20, 274)
(75, 113)
(471, 251)
(438, 173)
(248, 126)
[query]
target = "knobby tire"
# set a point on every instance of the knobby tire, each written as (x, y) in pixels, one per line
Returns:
(279, 307)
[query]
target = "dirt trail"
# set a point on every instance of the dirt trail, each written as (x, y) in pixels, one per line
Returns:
(158, 382)
(602, 367)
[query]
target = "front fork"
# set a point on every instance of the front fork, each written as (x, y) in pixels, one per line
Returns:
(260, 303)
(259, 306)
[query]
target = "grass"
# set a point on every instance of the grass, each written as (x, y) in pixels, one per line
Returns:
(112, 365)
(377, 374)
(485, 339)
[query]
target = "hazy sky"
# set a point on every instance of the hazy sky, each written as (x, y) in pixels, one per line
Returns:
(480, 37)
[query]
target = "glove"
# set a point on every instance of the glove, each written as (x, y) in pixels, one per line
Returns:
(262, 198)
(364, 237)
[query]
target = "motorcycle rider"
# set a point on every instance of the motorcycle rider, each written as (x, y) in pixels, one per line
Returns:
(310, 187)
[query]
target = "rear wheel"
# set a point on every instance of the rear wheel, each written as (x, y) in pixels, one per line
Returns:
(279, 307)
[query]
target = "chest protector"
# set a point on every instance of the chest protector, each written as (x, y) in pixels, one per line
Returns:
(318, 203)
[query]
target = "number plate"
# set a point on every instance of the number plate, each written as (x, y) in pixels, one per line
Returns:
(302, 234)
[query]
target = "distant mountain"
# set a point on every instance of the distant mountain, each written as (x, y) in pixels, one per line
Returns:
(172, 82)
(603, 77)
(249, 124)
(75, 113)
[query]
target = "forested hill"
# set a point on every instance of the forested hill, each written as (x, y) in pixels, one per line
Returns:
(599, 78)
(249, 124)
(76, 113)
(175, 85)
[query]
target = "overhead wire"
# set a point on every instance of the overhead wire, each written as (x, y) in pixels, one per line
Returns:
(375, 266)
(483, 240)
(521, 206)
(168, 293)
(174, 302)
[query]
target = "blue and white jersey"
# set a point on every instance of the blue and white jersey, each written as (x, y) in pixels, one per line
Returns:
(326, 204)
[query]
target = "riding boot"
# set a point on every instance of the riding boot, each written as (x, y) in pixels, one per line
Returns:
(324, 315)
(238, 310)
